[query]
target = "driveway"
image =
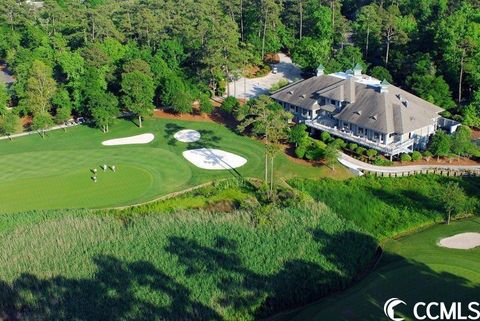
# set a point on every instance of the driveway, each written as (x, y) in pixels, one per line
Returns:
(253, 87)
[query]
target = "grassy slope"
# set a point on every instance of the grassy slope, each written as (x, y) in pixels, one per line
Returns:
(80, 265)
(54, 172)
(386, 207)
(414, 269)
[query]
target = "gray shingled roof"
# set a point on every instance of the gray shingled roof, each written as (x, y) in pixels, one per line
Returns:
(393, 111)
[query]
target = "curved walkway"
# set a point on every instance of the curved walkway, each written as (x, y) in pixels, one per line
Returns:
(359, 167)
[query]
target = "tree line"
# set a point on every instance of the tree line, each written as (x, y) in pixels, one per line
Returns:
(97, 57)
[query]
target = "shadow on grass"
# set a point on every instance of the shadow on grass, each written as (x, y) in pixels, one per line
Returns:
(119, 290)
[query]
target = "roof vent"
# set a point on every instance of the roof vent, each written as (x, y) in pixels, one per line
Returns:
(320, 70)
(303, 96)
(358, 112)
(406, 103)
(291, 92)
(384, 86)
(374, 117)
(357, 70)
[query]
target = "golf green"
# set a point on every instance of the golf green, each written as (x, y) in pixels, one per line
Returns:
(413, 269)
(56, 172)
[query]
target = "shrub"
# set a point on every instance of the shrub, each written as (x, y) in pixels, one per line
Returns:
(416, 155)
(206, 105)
(280, 84)
(339, 143)
(300, 151)
(382, 161)
(405, 158)
(352, 146)
(360, 150)
(427, 155)
(325, 137)
(230, 104)
(371, 153)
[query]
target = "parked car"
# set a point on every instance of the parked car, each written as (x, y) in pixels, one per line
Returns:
(80, 120)
(274, 70)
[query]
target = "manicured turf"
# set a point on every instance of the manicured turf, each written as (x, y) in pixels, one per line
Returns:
(55, 172)
(413, 269)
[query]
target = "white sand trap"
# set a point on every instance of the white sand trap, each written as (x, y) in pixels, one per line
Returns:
(139, 139)
(187, 136)
(462, 241)
(207, 158)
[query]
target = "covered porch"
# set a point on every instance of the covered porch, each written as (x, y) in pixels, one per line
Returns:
(330, 126)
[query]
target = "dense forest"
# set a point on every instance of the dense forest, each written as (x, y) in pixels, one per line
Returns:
(98, 57)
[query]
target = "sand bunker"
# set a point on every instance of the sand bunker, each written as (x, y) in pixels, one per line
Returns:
(187, 136)
(463, 241)
(207, 158)
(139, 139)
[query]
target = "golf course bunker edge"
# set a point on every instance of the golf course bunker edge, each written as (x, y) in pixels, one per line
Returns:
(187, 136)
(462, 241)
(131, 140)
(213, 159)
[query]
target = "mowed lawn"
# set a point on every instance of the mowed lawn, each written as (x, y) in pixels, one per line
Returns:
(55, 172)
(413, 269)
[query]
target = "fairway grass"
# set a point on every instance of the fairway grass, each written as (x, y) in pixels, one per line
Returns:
(55, 172)
(414, 268)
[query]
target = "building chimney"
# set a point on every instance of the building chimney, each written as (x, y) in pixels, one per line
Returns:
(320, 70)
(357, 70)
(350, 90)
(384, 86)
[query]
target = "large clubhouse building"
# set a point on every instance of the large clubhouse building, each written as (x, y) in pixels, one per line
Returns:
(364, 110)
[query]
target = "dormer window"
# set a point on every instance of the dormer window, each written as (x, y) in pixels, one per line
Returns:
(374, 117)
(291, 92)
(358, 112)
(303, 96)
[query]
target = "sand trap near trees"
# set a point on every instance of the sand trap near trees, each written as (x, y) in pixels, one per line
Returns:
(215, 159)
(462, 241)
(138, 139)
(187, 136)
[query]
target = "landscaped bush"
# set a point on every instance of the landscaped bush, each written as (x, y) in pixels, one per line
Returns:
(386, 207)
(371, 153)
(382, 161)
(416, 155)
(325, 137)
(280, 84)
(427, 155)
(182, 266)
(405, 158)
(339, 143)
(230, 104)
(352, 146)
(360, 150)
(300, 151)
(206, 105)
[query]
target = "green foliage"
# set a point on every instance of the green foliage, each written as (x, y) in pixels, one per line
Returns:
(4, 98)
(386, 207)
(297, 134)
(138, 92)
(206, 105)
(405, 158)
(339, 143)
(208, 255)
(462, 142)
(42, 121)
(454, 201)
(352, 146)
(104, 109)
(382, 161)
(360, 150)
(381, 73)
(280, 84)
(310, 52)
(325, 137)
(9, 123)
(230, 104)
(416, 155)
(440, 144)
(300, 151)
(371, 153)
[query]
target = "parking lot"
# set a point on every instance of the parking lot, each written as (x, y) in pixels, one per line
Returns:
(253, 87)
